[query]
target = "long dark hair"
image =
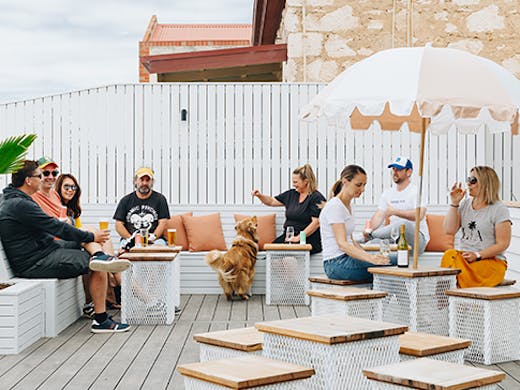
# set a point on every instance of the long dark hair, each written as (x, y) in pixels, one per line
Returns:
(73, 206)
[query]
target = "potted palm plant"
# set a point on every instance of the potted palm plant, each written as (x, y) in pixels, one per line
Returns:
(13, 151)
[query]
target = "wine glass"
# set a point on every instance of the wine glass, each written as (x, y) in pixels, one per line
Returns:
(289, 234)
(394, 233)
(384, 247)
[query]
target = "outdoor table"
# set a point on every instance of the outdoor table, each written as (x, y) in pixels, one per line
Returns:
(323, 281)
(150, 289)
(432, 374)
(490, 318)
(247, 372)
(350, 301)
(226, 344)
(416, 296)
(287, 274)
(413, 345)
(338, 347)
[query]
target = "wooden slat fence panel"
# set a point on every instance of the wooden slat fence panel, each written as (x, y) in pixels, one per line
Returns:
(236, 137)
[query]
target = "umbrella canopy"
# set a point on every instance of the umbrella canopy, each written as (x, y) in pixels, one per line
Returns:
(438, 89)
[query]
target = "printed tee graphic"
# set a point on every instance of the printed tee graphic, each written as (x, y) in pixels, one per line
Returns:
(142, 217)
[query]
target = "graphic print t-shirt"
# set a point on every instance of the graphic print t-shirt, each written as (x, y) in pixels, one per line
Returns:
(138, 213)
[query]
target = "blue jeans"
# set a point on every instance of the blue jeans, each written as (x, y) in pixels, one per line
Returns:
(345, 267)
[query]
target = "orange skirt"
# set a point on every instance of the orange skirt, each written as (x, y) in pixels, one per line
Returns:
(484, 273)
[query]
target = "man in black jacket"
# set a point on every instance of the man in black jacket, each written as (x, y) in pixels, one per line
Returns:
(28, 233)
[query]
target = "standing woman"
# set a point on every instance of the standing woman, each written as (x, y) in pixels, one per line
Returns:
(301, 207)
(486, 230)
(343, 258)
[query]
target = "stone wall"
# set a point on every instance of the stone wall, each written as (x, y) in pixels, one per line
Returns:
(326, 36)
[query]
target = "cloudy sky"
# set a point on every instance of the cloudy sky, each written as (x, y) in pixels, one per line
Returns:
(55, 46)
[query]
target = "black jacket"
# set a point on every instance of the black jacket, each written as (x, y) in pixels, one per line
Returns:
(28, 233)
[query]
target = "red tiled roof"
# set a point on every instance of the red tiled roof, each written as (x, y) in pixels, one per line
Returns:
(201, 32)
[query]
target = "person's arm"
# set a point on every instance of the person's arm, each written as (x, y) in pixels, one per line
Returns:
(502, 241)
(159, 230)
(406, 214)
(377, 219)
(309, 229)
(354, 251)
(452, 220)
(266, 199)
(121, 230)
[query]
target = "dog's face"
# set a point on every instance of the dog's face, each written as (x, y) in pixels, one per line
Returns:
(247, 228)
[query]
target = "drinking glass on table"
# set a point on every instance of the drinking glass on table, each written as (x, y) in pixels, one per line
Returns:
(289, 234)
(384, 247)
(394, 233)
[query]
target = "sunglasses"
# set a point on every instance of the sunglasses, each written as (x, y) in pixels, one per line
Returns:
(38, 176)
(53, 173)
(70, 187)
(471, 180)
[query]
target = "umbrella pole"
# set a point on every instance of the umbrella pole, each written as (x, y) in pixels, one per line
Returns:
(419, 197)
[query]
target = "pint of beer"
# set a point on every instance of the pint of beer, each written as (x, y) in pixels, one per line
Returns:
(103, 224)
(172, 236)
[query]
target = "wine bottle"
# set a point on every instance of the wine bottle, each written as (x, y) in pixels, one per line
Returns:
(402, 248)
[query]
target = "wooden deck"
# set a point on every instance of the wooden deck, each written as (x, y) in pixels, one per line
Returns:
(145, 357)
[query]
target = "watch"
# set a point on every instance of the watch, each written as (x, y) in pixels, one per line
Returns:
(478, 256)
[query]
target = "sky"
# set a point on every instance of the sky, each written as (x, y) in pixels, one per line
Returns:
(55, 46)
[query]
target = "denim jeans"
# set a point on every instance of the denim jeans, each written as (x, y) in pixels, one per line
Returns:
(345, 267)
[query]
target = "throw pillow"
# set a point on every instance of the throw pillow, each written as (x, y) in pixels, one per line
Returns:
(204, 232)
(175, 222)
(440, 241)
(266, 228)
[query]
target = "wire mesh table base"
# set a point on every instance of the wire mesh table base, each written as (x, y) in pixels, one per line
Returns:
(287, 277)
(418, 302)
(456, 357)
(197, 384)
(371, 309)
(149, 291)
(492, 326)
(337, 366)
(213, 352)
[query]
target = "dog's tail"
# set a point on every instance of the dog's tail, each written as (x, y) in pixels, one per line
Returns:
(214, 259)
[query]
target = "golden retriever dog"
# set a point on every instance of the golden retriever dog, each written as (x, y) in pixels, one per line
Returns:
(236, 267)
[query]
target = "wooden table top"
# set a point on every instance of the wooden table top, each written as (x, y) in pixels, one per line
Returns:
(487, 293)
(424, 344)
(242, 339)
(325, 279)
(346, 293)
(434, 374)
(245, 372)
(409, 272)
(287, 247)
(150, 256)
(155, 249)
(331, 329)
(376, 247)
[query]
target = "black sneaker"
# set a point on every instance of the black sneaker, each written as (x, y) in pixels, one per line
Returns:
(106, 263)
(157, 307)
(88, 310)
(177, 310)
(108, 326)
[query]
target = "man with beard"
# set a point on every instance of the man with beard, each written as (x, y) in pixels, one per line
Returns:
(142, 209)
(397, 205)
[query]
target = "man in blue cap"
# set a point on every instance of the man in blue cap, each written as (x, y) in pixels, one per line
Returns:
(398, 204)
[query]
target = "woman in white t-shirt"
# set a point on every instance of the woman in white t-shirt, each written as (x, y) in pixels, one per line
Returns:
(343, 258)
(485, 225)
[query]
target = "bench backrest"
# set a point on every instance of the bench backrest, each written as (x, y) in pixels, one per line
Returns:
(5, 269)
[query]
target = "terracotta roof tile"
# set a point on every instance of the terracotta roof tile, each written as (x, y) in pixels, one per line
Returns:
(202, 32)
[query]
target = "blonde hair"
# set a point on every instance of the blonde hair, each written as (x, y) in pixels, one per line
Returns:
(306, 173)
(488, 182)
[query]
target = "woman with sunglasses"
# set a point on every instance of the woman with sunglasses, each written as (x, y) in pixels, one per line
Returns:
(485, 225)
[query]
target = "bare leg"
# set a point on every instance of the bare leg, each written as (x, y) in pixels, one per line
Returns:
(98, 290)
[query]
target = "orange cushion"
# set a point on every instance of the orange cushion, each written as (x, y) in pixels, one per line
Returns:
(266, 228)
(440, 241)
(204, 232)
(175, 222)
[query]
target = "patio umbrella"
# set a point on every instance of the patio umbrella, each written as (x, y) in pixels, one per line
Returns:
(427, 88)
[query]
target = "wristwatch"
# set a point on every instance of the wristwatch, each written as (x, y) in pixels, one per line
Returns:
(478, 256)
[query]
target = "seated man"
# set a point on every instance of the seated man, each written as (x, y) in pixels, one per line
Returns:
(46, 197)
(28, 238)
(398, 204)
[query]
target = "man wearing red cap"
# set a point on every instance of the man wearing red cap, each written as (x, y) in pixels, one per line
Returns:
(46, 197)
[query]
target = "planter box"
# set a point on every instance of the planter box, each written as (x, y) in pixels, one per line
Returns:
(21, 316)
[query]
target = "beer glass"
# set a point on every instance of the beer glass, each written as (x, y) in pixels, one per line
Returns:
(289, 234)
(172, 236)
(103, 224)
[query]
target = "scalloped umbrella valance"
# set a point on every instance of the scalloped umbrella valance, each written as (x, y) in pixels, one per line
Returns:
(429, 89)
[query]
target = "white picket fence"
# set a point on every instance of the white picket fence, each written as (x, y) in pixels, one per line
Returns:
(236, 137)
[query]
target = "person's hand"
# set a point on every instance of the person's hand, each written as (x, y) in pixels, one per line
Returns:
(101, 236)
(390, 210)
(457, 193)
(151, 237)
(380, 259)
(255, 193)
(470, 257)
(66, 220)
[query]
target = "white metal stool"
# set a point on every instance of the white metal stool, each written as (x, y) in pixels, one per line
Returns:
(414, 345)
(490, 318)
(227, 344)
(287, 274)
(249, 372)
(321, 282)
(432, 374)
(351, 301)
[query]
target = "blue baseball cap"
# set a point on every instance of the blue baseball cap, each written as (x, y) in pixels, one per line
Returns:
(401, 162)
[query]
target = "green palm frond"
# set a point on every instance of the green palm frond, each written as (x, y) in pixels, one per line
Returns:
(12, 152)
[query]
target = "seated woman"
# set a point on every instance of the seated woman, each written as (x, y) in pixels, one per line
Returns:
(301, 207)
(486, 230)
(343, 257)
(68, 189)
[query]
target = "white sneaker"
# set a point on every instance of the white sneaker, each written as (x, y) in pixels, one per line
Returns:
(105, 263)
